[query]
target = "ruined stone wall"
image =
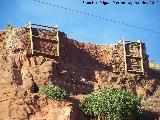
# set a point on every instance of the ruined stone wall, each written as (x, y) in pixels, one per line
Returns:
(19, 40)
(110, 56)
(84, 67)
(45, 41)
(81, 67)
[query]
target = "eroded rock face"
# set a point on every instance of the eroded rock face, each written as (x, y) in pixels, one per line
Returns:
(53, 110)
(80, 69)
(34, 107)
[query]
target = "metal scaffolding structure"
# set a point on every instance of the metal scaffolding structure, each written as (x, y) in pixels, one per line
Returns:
(32, 38)
(136, 68)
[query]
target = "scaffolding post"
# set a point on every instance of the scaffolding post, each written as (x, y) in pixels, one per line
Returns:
(30, 27)
(58, 43)
(125, 60)
(141, 55)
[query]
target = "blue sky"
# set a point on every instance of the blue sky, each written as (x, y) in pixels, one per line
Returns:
(87, 28)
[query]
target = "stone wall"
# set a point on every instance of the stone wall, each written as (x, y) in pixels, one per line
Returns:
(81, 67)
(45, 41)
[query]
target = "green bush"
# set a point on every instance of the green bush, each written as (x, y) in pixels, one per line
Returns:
(9, 26)
(112, 104)
(53, 92)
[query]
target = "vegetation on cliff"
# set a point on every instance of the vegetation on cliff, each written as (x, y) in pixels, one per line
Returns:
(113, 104)
(9, 26)
(53, 92)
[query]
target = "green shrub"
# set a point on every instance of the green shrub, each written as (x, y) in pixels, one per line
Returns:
(53, 92)
(112, 104)
(9, 26)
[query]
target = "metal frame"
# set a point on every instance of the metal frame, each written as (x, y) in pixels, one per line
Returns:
(31, 37)
(125, 59)
(128, 56)
(141, 55)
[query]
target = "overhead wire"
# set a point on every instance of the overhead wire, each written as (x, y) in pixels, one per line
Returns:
(96, 16)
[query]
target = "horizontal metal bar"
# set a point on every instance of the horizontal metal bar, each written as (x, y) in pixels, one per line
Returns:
(127, 41)
(44, 26)
(44, 53)
(135, 71)
(44, 38)
(136, 57)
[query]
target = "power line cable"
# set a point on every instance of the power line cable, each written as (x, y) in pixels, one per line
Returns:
(99, 17)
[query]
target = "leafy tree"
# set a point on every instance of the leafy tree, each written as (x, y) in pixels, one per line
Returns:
(53, 92)
(112, 104)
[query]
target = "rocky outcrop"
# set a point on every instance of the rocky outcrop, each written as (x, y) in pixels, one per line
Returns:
(80, 69)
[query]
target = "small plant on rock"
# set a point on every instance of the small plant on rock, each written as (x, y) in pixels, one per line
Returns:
(9, 26)
(53, 92)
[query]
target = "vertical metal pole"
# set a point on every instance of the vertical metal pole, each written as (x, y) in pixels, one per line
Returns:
(58, 42)
(141, 55)
(125, 61)
(30, 27)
